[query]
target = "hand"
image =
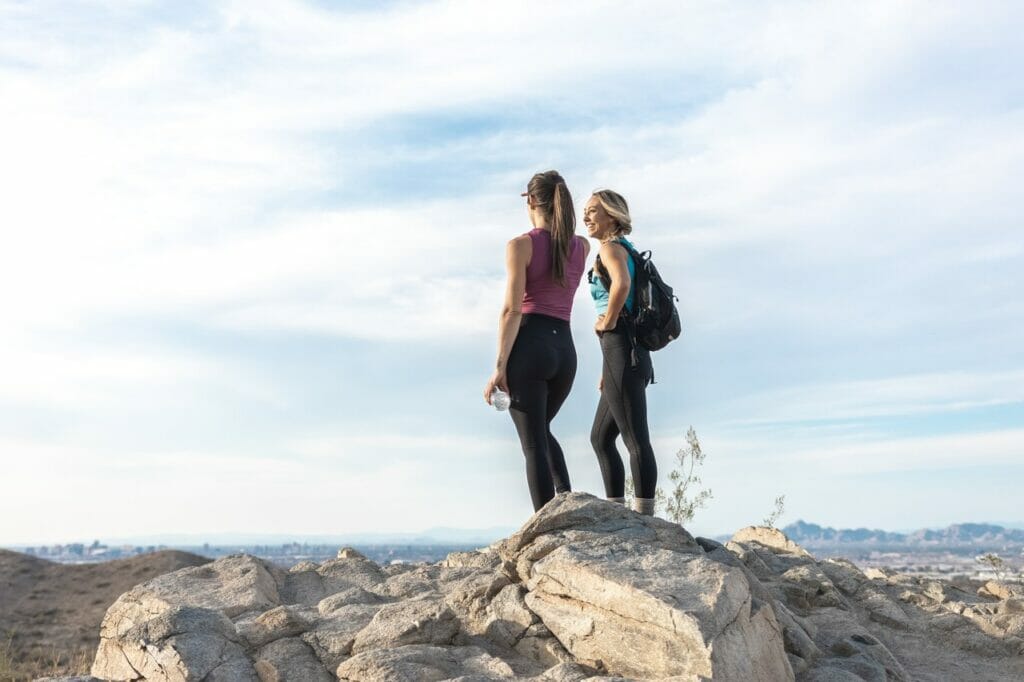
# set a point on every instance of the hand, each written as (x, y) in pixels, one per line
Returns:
(499, 380)
(602, 326)
(600, 383)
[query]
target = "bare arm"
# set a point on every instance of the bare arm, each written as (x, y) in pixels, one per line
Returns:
(613, 257)
(517, 257)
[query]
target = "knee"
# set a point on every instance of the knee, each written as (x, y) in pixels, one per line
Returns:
(632, 443)
(600, 440)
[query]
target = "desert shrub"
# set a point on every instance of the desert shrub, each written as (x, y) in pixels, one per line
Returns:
(777, 512)
(685, 494)
(994, 562)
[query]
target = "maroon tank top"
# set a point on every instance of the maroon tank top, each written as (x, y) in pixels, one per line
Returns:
(543, 294)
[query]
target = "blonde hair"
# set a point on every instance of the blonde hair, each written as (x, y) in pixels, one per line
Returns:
(549, 191)
(615, 205)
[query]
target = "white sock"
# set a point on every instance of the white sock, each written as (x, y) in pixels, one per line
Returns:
(620, 500)
(644, 505)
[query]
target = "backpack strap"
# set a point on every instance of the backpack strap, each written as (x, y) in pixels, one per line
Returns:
(602, 273)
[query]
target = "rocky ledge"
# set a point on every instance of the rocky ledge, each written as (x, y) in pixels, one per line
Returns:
(586, 590)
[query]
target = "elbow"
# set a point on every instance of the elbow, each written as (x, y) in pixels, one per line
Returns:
(508, 313)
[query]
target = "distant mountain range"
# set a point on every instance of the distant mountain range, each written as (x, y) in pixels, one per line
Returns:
(960, 534)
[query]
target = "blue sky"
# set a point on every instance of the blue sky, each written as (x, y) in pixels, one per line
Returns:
(252, 256)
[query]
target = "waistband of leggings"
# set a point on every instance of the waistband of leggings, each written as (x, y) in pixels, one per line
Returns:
(542, 321)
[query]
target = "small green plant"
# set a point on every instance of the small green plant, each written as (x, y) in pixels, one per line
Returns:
(685, 497)
(777, 512)
(685, 494)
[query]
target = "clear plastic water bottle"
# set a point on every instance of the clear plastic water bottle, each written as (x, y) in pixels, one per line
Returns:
(500, 400)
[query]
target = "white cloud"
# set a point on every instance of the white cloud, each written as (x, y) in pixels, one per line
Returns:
(895, 396)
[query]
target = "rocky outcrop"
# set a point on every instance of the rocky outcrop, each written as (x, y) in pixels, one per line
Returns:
(586, 590)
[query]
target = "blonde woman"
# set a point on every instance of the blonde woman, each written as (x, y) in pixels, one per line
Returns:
(536, 362)
(626, 366)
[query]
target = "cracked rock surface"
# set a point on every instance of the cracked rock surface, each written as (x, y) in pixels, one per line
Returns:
(585, 590)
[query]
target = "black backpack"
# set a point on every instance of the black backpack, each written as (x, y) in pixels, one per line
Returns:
(655, 319)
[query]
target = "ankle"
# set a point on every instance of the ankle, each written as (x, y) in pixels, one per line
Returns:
(644, 505)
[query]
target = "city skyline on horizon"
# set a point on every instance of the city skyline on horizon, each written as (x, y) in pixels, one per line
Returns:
(440, 535)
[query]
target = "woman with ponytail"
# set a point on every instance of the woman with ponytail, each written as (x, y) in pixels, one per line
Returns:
(626, 369)
(536, 361)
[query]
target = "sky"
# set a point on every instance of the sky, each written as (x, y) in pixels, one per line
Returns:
(253, 256)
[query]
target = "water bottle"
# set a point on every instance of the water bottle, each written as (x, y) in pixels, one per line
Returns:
(500, 399)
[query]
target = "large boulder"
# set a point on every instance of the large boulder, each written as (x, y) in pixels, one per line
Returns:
(647, 612)
(151, 640)
(637, 596)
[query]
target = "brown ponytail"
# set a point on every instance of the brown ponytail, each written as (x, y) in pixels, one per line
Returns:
(549, 191)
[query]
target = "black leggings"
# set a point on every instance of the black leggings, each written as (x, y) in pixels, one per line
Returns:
(623, 409)
(541, 369)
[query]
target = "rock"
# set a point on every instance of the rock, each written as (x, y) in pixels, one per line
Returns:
(839, 635)
(799, 643)
(506, 618)
(420, 581)
(1001, 590)
(831, 674)
(302, 585)
(353, 595)
(232, 585)
(350, 553)
(539, 644)
(277, 623)
(844, 575)
(290, 660)
(880, 573)
(424, 663)
(579, 517)
(808, 586)
(470, 590)
(399, 567)
(769, 537)
(643, 611)
(799, 665)
(761, 565)
(415, 621)
(144, 637)
(861, 667)
(709, 545)
(486, 559)
(564, 672)
(345, 572)
(856, 585)
(1011, 605)
(334, 635)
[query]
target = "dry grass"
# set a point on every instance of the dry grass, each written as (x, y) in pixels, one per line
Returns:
(23, 665)
(50, 613)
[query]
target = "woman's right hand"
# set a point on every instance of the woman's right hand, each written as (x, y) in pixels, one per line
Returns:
(600, 383)
(497, 380)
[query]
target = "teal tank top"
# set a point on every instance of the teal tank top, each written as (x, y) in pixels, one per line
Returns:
(600, 294)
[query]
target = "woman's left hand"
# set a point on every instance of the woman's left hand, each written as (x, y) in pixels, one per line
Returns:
(602, 326)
